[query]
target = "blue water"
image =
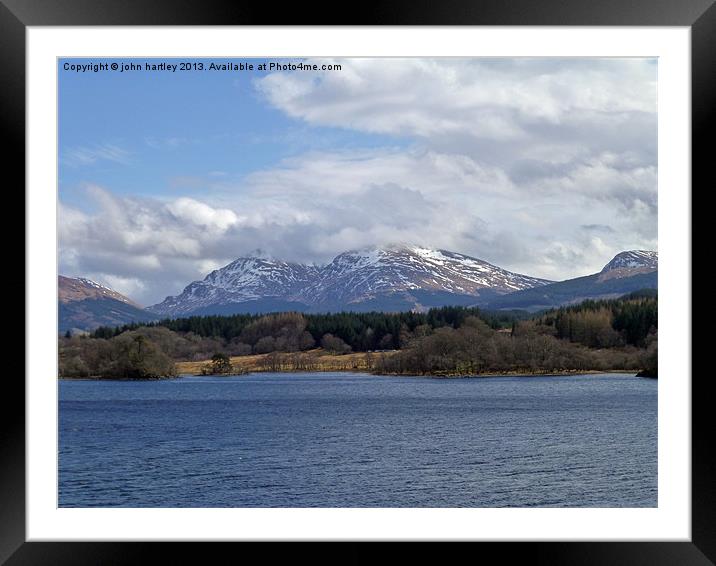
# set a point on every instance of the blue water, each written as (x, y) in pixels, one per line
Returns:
(355, 440)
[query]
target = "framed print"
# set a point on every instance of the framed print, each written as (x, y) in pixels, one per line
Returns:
(301, 278)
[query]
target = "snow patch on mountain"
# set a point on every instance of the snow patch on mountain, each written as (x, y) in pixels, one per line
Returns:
(633, 259)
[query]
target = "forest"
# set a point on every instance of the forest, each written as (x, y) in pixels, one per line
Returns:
(362, 331)
(591, 336)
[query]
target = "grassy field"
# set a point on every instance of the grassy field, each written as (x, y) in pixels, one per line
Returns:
(312, 360)
(319, 360)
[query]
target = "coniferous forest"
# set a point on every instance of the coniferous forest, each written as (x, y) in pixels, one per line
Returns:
(618, 334)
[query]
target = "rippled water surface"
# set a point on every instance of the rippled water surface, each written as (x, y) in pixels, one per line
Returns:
(354, 440)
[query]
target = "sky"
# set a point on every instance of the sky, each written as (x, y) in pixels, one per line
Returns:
(542, 166)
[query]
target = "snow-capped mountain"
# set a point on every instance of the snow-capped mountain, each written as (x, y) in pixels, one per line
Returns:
(357, 276)
(633, 259)
(398, 277)
(244, 280)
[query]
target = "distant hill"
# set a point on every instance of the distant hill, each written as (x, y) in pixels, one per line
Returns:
(84, 305)
(627, 272)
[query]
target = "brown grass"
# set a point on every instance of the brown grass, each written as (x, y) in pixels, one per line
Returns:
(312, 360)
(319, 360)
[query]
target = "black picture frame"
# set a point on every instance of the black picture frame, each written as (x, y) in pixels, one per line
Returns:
(17, 15)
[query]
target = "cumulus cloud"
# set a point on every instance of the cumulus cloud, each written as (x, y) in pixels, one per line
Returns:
(484, 98)
(542, 166)
(202, 215)
(519, 114)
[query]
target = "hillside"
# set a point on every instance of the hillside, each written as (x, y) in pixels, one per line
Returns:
(84, 305)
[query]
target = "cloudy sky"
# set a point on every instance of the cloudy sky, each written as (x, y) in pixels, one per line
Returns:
(542, 166)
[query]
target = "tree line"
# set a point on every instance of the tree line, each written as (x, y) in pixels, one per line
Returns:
(362, 331)
(594, 335)
(474, 348)
(629, 320)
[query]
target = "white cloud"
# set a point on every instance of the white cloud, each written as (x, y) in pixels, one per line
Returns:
(200, 214)
(128, 286)
(482, 98)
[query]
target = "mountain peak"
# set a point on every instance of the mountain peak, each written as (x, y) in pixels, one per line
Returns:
(633, 259)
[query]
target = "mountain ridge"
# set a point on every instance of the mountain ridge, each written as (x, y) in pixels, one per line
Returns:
(397, 276)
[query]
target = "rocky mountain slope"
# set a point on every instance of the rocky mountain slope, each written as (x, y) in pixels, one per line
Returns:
(634, 259)
(399, 277)
(262, 283)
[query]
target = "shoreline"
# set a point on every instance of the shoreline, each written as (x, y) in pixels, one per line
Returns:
(96, 378)
(321, 361)
(565, 373)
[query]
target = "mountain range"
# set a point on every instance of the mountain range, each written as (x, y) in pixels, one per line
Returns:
(389, 278)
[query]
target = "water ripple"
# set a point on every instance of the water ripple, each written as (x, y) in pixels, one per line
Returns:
(351, 440)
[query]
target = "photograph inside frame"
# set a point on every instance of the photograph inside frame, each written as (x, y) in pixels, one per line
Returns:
(357, 282)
